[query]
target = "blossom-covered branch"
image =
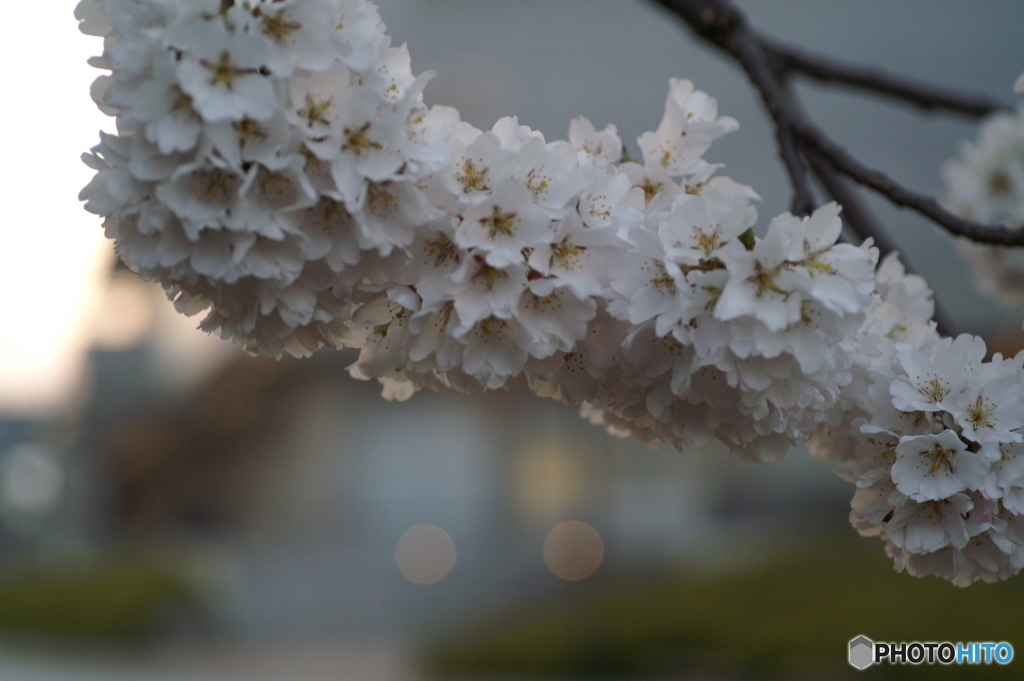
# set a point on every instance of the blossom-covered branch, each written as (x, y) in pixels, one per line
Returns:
(276, 169)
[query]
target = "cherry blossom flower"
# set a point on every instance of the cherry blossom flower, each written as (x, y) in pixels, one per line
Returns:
(931, 467)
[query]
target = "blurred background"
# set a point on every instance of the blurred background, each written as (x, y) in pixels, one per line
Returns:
(172, 509)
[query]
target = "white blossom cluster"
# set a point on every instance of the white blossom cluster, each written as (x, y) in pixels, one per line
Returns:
(275, 165)
(936, 446)
(639, 290)
(264, 148)
(731, 337)
(985, 183)
(508, 273)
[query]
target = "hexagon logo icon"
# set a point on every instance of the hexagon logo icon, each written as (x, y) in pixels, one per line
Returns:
(862, 652)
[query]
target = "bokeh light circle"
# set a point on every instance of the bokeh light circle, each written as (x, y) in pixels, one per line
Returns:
(425, 554)
(573, 550)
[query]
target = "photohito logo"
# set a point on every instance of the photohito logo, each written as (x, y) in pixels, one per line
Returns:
(864, 652)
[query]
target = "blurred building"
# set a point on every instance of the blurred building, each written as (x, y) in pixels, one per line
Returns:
(301, 481)
(287, 485)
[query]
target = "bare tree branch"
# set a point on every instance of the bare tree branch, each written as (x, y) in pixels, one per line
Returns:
(860, 219)
(747, 50)
(723, 25)
(726, 27)
(927, 206)
(923, 95)
(855, 214)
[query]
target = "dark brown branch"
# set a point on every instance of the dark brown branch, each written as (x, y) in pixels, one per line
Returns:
(704, 17)
(859, 218)
(922, 95)
(927, 206)
(726, 27)
(855, 214)
(748, 52)
(723, 25)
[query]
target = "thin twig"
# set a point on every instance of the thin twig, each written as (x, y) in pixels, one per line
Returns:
(927, 206)
(722, 24)
(860, 219)
(749, 54)
(877, 81)
(855, 213)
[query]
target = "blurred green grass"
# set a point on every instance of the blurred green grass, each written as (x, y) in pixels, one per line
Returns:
(791, 618)
(114, 597)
